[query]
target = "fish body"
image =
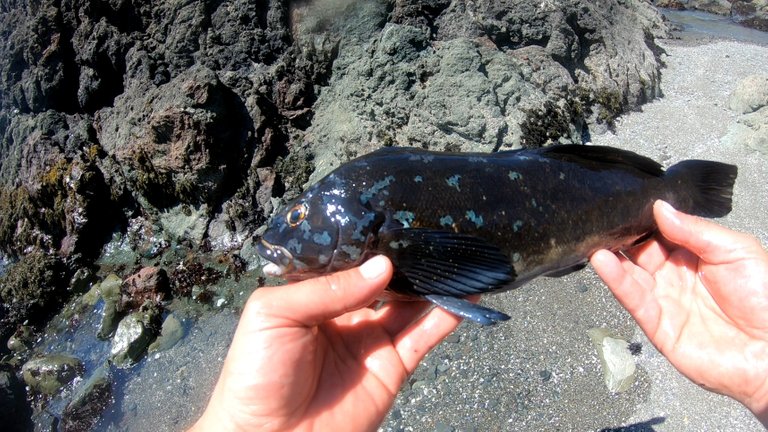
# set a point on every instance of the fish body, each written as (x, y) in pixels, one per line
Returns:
(456, 224)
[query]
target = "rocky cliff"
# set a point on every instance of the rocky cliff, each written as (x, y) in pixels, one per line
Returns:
(188, 121)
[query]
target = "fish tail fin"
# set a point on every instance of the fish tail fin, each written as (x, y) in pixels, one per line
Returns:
(702, 188)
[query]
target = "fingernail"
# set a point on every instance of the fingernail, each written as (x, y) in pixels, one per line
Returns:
(669, 211)
(373, 268)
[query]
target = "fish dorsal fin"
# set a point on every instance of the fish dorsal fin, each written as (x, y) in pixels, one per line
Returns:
(596, 157)
(446, 263)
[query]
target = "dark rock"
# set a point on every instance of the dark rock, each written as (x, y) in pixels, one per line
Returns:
(170, 333)
(150, 284)
(194, 274)
(55, 195)
(670, 4)
(482, 76)
(88, 402)
(31, 291)
(110, 320)
(50, 373)
(183, 142)
(22, 339)
(81, 281)
(195, 117)
(720, 7)
(14, 411)
(751, 13)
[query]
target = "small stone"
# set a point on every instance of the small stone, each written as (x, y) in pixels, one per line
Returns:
(48, 374)
(582, 288)
(134, 334)
(395, 414)
(21, 340)
(442, 427)
(81, 280)
(109, 321)
(171, 332)
(545, 375)
(149, 284)
(452, 338)
(618, 363)
(110, 288)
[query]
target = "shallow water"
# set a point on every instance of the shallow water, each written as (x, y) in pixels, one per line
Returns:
(695, 24)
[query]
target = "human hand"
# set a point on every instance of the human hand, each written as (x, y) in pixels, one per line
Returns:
(701, 296)
(311, 356)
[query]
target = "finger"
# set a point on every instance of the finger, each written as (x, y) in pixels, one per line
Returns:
(313, 301)
(713, 243)
(396, 316)
(631, 285)
(413, 343)
(650, 255)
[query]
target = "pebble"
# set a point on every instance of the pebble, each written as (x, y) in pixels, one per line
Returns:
(442, 427)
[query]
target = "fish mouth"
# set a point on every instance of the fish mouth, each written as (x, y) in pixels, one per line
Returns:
(279, 260)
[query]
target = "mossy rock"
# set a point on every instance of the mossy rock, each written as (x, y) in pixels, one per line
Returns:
(32, 290)
(49, 374)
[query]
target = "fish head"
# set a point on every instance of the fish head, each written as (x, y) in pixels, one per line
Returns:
(326, 229)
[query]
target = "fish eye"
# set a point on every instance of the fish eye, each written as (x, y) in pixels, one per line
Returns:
(296, 214)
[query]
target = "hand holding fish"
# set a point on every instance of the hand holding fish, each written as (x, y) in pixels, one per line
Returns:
(311, 356)
(701, 295)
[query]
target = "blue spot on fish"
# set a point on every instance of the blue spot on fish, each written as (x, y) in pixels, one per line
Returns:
(399, 244)
(423, 158)
(446, 221)
(453, 181)
(306, 229)
(514, 175)
(375, 189)
(323, 239)
(405, 218)
(517, 225)
(353, 251)
(294, 245)
(472, 216)
(360, 225)
(418, 179)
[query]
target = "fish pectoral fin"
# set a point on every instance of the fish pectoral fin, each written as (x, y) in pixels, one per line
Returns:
(468, 310)
(446, 263)
(566, 271)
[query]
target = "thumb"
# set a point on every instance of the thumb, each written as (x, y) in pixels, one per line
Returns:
(711, 242)
(314, 301)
